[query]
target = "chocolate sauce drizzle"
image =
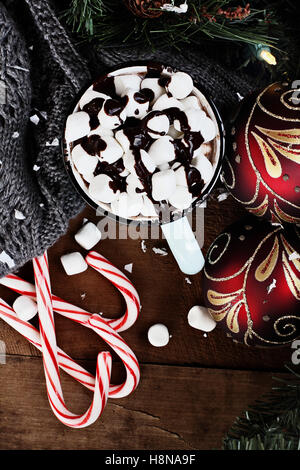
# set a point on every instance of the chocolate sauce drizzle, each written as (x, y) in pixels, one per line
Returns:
(137, 132)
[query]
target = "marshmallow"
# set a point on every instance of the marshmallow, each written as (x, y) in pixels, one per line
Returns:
(204, 166)
(89, 96)
(123, 140)
(113, 150)
(181, 198)
(165, 102)
(180, 85)
(180, 174)
(100, 189)
(111, 115)
(123, 83)
(133, 183)
(164, 166)
(148, 161)
(191, 102)
(163, 184)
(137, 104)
(84, 162)
(25, 308)
(200, 318)
(77, 126)
(158, 335)
(152, 84)
(148, 208)
(101, 131)
(194, 119)
(88, 236)
(208, 129)
(129, 161)
(127, 205)
(162, 150)
(159, 125)
(73, 263)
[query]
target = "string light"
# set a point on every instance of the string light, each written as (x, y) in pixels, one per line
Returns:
(264, 53)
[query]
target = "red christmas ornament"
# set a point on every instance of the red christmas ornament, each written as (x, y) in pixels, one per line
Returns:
(252, 282)
(262, 169)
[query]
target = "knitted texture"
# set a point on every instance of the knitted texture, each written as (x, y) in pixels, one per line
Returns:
(42, 72)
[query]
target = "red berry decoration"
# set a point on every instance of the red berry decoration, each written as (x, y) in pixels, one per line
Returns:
(262, 169)
(252, 282)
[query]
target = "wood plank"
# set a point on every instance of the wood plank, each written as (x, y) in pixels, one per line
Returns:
(173, 408)
(165, 296)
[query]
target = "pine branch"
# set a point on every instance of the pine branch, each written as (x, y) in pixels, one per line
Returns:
(273, 423)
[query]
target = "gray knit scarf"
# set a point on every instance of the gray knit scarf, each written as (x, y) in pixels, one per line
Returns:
(40, 73)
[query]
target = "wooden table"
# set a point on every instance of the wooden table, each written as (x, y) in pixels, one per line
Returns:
(190, 391)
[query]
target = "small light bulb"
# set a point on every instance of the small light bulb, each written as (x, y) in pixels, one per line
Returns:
(267, 56)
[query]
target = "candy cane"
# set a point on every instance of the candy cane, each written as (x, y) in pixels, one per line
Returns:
(123, 284)
(108, 270)
(50, 357)
(105, 331)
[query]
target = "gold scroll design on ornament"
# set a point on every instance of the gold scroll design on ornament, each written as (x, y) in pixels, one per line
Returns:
(232, 185)
(233, 300)
(271, 160)
(284, 216)
(258, 176)
(277, 116)
(292, 279)
(266, 269)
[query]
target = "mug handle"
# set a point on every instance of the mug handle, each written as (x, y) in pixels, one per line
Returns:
(184, 245)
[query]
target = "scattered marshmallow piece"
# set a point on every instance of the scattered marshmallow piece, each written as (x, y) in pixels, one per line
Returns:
(162, 150)
(143, 246)
(272, 286)
(163, 185)
(88, 236)
(100, 189)
(158, 335)
(15, 135)
(54, 143)
(200, 318)
(187, 280)
(73, 263)
(25, 307)
(128, 267)
(44, 115)
(36, 168)
(83, 296)
(5, 258)
(180, 85)
(240, 97)
(19, 215)
(160, 251)
(34, 119)
(78, 125)
(294, 255)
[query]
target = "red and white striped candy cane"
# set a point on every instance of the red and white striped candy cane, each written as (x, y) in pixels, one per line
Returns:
(123, 284)
(108, 270)
(29, 332)
(105, 331)
(50, 357)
